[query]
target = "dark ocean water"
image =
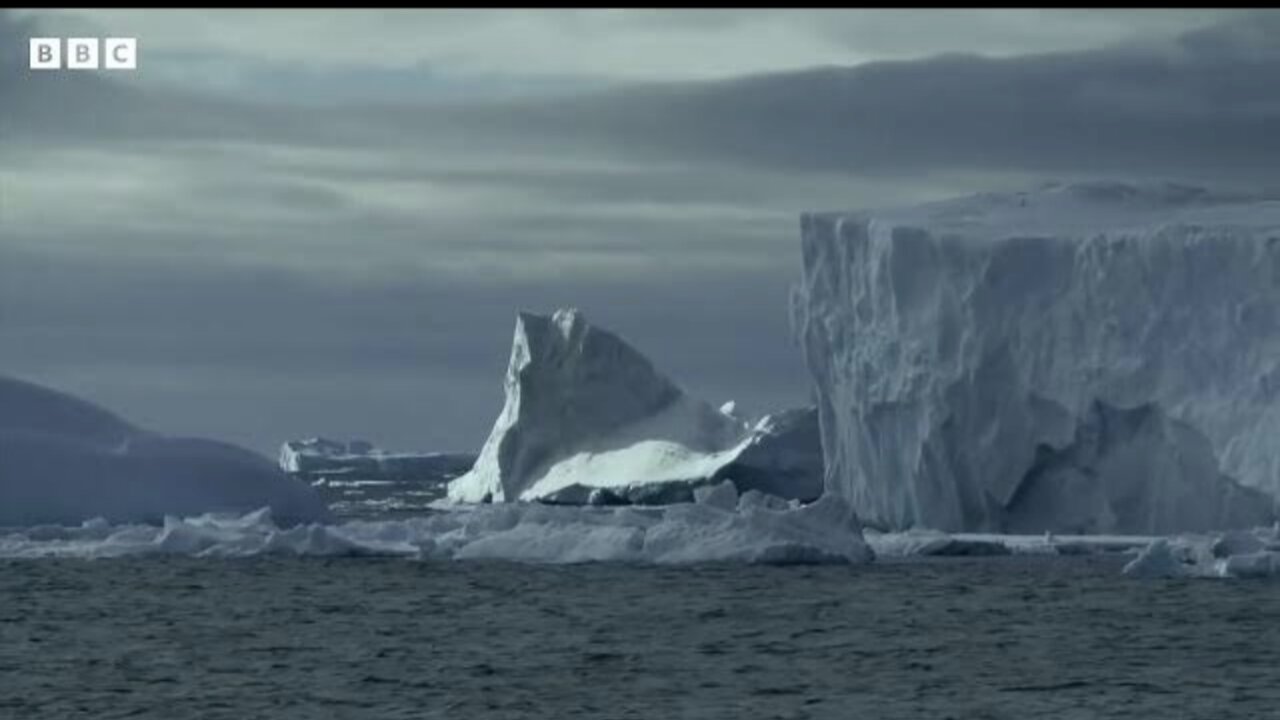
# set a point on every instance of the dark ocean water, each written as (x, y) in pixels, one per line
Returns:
(1010, 637)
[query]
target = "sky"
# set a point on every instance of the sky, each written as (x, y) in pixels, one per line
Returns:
(296, 223)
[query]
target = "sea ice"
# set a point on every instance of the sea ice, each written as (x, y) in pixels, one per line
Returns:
(1160, 559)
(752, 531)
(1236, 554)
(919, 542)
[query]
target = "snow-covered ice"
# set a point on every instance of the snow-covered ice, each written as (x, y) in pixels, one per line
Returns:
(588, 419)
(752, 529)
(1157, 560)
(322, 457)
(935, 543)
(64, 460)
(1091, 358)
(1237, 554)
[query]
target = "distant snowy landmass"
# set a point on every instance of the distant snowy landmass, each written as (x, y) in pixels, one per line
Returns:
(589, 420)
(1099, 358)
(63, 460)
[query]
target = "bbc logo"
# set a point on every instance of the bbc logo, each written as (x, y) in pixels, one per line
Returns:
(84, 54)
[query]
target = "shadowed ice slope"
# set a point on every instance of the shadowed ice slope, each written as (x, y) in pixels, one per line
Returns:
(63, 460)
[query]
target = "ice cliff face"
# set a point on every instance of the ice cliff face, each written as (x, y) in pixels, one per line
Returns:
(63, 460)
(1096, 357)
(588, 419)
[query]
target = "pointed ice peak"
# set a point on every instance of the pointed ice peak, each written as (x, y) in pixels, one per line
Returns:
(568, 322)
(571, 321)
(584, 410)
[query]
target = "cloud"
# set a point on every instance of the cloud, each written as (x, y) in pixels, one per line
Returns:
(251, 268)
(1203, 105)
(620, 44)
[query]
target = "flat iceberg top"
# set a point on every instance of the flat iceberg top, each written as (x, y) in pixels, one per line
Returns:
(1075, 210)
(321, 455)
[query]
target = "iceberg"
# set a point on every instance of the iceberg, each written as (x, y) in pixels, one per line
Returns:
(314, 458)
(64, 461)
(588, 420)
(357, 479)
(1087, 358)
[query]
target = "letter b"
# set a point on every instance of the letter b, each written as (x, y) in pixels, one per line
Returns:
(82, 53)
(46, 53)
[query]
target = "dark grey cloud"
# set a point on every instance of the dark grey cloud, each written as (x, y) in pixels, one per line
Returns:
(1202, 105)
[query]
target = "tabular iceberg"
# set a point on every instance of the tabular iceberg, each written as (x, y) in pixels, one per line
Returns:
(63, 460)
(589, 420)
(317, 457)
(1082, 358)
